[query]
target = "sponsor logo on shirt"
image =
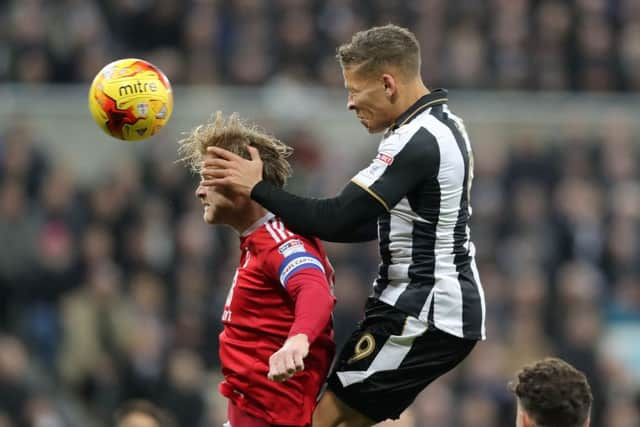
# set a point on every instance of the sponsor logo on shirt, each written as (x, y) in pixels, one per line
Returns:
(384, 158)
(291, 247)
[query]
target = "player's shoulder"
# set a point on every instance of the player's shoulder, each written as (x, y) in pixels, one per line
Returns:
(275, 235)
(424, 128)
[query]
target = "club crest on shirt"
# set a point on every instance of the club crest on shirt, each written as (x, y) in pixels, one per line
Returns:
(385, 158)
(291, 247)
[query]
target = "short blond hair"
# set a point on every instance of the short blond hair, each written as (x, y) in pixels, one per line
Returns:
(377, 48)
(234, 135)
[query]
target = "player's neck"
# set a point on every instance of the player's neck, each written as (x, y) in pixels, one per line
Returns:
(412, 92)
(250, 216)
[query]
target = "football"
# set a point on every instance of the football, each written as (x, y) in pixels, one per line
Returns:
(131, 99)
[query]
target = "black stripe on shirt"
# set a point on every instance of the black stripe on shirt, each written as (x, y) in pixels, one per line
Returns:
(418, 160)
(422, 268)
(384, 227)
(471, 307)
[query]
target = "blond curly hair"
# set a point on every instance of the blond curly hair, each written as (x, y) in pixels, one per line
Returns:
(233, 134)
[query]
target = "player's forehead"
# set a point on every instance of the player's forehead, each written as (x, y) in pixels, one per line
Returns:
(355, 80)
(351, 78)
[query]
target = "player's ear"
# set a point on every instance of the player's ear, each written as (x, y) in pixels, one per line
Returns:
(390, 86)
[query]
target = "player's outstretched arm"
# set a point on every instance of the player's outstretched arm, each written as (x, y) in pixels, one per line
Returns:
(349, 217)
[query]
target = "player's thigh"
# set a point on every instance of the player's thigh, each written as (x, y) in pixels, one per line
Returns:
(332, 412)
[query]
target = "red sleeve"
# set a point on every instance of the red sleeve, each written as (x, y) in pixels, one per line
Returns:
(296, 265)
(313, 302)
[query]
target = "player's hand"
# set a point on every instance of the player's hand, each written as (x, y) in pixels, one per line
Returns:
(288, 360)
(231, 171)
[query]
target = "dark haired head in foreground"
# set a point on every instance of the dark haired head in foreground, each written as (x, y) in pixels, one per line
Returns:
(552, 393)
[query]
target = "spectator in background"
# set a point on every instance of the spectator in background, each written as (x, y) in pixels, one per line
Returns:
(96, 321)
(183, 395)
(19, 229)
(141, 413)
(5, 421)
(15, 391)
(525, 44)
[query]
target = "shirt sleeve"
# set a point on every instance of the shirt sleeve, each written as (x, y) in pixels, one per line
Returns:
(299, 269)
(399, 166)
(313, 303)
(349, 217)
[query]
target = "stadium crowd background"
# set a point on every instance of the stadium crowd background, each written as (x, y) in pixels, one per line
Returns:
(113, 289)
(532, 44)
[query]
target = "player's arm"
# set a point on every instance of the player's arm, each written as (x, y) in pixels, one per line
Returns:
(302, 275)
(372, 192)
(349, 217)
(313, 307)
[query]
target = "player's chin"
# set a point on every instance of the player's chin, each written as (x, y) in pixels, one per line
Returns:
(372, 127)
(375, 130)
(366, 125)
(209, 217)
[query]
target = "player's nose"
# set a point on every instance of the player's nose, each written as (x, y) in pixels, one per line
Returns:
(200, 191)
(350, 104)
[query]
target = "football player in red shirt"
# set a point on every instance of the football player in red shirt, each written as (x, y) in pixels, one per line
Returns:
(277, 343)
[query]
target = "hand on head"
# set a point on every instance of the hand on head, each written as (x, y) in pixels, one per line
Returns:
(228, 170)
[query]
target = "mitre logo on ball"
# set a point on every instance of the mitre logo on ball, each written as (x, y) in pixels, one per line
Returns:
(131, 99)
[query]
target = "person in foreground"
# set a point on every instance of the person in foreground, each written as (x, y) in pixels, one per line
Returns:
(141, 413)
(426, 311)
(552, 393)
(277, 343)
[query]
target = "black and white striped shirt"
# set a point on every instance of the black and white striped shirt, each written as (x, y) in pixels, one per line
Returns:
(422, 176)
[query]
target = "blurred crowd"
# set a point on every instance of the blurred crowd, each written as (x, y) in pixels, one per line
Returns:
(114, 290)
(591, 45)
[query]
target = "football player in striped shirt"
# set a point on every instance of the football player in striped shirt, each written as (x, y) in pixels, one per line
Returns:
(426, 310)
(277, 343)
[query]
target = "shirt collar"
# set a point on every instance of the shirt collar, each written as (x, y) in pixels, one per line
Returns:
(435, 97)
(259, 223)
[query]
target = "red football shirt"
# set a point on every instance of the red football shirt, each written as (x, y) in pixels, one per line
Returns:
(258, 316)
